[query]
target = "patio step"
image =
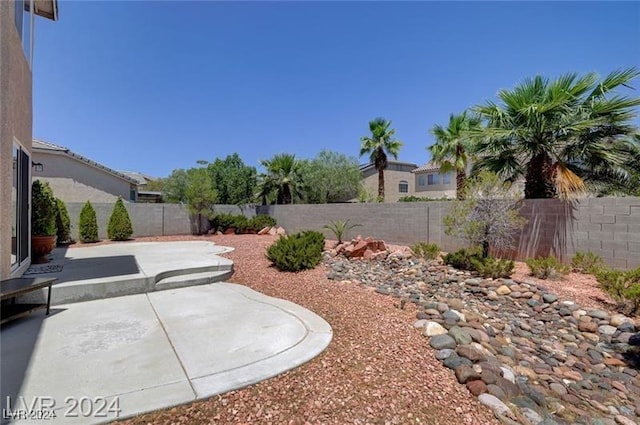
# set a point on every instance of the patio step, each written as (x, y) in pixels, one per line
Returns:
(193, 279)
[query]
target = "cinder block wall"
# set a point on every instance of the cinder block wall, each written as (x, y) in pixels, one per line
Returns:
(608, 227)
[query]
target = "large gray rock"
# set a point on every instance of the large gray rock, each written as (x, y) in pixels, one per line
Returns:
(440, 342)
(494, 403)
(461, 336)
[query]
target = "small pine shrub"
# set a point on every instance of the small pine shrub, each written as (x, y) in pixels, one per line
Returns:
(241, 224)
(261, 221)
(493, 267)
(222, 221)
(430, 251)
(547, 267)
(43, 209)
(624, 287)
(119, 228)
(296, 252)
(63, 223)
(88, 226)
(586, 262)
(461, 259)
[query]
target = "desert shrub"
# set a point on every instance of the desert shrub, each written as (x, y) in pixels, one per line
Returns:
(261, 221)
(586, 262)
(241, 224)
(119, 228)
(222, 221)
(296, 252)
(493, 267)
(88, 226)
(624, 287)
(430, 251)
(489, 216)
(413, 198)
(461, 259)
(340, 228)
(63, 223)
(547, 267)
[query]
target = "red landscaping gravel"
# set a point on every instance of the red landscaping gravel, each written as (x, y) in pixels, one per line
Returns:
(377, 370)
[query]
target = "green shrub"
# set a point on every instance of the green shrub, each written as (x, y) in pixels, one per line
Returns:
(413, 198)
(241, 224)
(493, 267)
(624, 287)
(296, 252)
(222, 221)
(261, 221)
(43, 209)
(88, 226)
(119, 228)
(461, 259)
(430, 251)
(340, 228)
(547, 267)
(586, 262)
(63, 223)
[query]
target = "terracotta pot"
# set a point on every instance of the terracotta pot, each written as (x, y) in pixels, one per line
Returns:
(41, 246)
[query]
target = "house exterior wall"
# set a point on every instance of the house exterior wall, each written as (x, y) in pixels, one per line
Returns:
(435, 190)
(15, 121)
(393, 175)
(73, 180)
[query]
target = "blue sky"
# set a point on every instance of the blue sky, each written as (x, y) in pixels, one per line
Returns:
(153, 86)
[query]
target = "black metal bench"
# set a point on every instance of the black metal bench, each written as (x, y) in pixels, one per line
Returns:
(11, 288)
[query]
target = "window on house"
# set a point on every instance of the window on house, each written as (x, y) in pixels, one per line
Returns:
(20, 207)
(446, 178)
(18, 15)
(403, 187)
(422, 180)
(433, 179)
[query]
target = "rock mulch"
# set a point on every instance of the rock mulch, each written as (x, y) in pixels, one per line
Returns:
(530, 357)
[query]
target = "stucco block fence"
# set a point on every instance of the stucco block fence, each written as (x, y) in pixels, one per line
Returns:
(608, 227)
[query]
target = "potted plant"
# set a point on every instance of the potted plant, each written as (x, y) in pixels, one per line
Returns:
(43, 221)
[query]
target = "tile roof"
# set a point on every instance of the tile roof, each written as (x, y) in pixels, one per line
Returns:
(47, 146)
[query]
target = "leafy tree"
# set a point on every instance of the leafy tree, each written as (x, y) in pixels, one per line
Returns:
(119, 228)
(282, 180)
(63, 223)
(175, 186)
(452, 147)
(380, 144)
(234, 181)
(200, 194)
(156, 185)
(558, 134)
(330, 177)
(488, 216)
(88, 226)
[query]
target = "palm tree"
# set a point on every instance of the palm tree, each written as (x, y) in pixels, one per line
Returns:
(558, 134)
(452, 147)
(378, 145)
(282, 178)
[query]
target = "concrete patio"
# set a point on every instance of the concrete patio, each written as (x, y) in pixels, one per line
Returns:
(121, 356)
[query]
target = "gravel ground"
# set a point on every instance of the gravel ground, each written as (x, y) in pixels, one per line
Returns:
(377, 369)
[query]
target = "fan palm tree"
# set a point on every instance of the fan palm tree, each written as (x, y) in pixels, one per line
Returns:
(282, 178)
(380, 144)
(452, 147)
(558, 134)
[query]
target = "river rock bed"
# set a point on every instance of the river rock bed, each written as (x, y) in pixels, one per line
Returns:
(530, 357)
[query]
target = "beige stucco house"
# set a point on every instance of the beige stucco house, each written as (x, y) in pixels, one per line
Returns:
(75, 178)
(17, 24)
(407, 179)
(398, 180)
(430, 182)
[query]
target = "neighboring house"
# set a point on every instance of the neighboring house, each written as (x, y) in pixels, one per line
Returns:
(430, 182)
(75, 178)
(398, 180)
(17, 21)
(144, 195)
